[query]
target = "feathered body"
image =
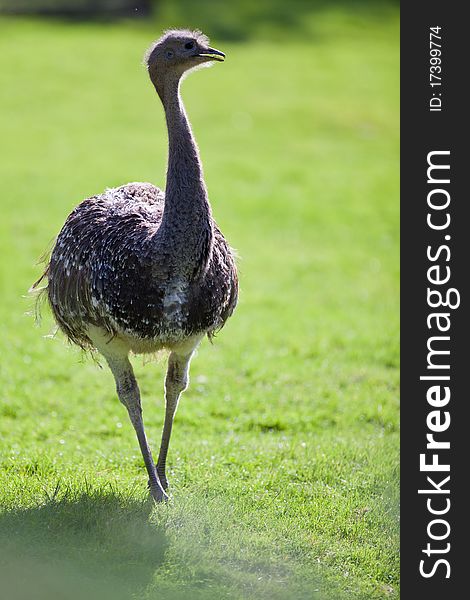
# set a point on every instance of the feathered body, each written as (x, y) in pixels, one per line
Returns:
(108, 269)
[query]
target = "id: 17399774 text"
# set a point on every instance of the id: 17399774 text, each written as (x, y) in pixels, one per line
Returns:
(435, 68)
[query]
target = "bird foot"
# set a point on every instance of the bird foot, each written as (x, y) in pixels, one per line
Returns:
(163, 480)
(157, 492)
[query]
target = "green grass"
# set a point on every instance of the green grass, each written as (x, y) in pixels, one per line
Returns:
(284, 457)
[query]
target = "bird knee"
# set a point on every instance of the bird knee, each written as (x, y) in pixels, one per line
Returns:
(126, 386)
(128, 392)
(174, 386)
(177, 378)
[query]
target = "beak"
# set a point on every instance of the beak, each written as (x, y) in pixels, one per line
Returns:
(212, 54)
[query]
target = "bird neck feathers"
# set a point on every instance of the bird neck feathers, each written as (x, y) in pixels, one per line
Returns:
(187, 214)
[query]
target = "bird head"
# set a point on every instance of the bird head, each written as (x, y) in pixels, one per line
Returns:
(177, 52)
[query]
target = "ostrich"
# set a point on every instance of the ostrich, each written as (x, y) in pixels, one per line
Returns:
(137, 270)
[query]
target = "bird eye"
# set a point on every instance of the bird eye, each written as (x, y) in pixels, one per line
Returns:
(169, 53)
(189, 45)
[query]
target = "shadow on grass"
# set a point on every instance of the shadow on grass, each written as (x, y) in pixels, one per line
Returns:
(84, 547)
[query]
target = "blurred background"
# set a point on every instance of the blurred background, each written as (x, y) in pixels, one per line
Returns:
(284, 457)
(85, 9)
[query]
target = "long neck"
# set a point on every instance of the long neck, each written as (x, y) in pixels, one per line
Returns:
(187, 209)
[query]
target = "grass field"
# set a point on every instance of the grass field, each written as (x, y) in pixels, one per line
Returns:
(284, 456)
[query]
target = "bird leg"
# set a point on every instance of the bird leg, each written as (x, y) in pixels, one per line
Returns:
(176, 381)
(129, 394)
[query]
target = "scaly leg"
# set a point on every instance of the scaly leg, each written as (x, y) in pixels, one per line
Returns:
(129, 395)
(176, 381)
